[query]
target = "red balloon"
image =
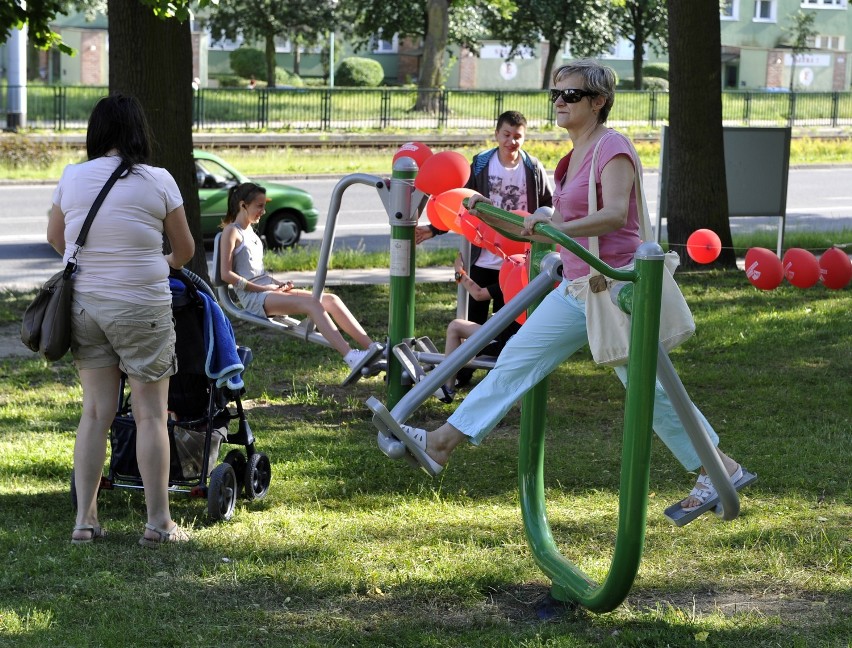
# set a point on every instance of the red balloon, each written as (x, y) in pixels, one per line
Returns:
(800, 267)
(432, 214)
(514, 275)
(417, 151)
(763, 268)
(704, 246)
(441, 172)
(510, 246)
(835, 268)
(448, 205)
(470, 228)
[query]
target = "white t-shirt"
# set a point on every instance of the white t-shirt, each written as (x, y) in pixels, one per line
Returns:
(122, 257)
(507, 190)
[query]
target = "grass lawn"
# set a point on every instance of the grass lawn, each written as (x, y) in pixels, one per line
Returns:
(350, 548)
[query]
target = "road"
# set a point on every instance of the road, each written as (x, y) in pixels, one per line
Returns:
(817, 198)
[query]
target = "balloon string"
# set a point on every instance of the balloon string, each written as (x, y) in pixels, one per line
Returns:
(842, 246)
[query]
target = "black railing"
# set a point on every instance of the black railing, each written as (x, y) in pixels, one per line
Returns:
(322, 109)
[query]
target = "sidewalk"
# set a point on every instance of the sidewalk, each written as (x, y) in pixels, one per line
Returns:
(374, 276)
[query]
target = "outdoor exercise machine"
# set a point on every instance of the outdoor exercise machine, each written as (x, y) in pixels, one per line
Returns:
(403, 203)
(638, 293)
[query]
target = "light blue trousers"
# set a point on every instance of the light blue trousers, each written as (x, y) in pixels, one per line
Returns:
(555, 330)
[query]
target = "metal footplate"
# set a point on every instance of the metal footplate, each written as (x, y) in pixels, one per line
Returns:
(407, 358)
(387, 426)
(681, 518)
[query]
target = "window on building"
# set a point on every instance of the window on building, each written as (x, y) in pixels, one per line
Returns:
(729, 10)
(827, 42)
(383, 46)
(765, 10)
(824, 4)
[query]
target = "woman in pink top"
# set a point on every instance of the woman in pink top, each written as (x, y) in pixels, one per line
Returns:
(583, 95)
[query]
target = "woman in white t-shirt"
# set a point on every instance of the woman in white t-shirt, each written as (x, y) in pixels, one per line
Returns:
(241, 265)
(121, 311)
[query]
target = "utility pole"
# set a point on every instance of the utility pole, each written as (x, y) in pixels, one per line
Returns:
(16, 107)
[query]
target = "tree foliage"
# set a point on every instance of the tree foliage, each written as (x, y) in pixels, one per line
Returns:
(645, 24)
(303, 22)
(801, 33)
(585, 24)
(37, 16)
(436, 23)
(365, 20)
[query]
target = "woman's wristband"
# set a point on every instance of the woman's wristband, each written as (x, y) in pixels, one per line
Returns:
(241, 283)
(460, 275)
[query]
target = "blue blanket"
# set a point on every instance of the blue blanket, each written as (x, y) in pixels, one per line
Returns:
(222, 363)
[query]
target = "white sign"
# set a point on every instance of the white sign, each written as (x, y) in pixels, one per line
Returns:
(400, 258)
(502, 52)
(508, 70)
(813, 60)
(806, 76)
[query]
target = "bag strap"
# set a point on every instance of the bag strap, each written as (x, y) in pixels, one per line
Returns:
(641, 203)
(87, 224)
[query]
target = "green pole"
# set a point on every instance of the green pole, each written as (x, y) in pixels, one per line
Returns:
(403, 220)
(568, 581)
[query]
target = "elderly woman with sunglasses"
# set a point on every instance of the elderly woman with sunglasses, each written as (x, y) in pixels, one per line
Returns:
(582, 95)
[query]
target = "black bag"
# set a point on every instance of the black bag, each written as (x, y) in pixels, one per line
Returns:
(47, 321)
(46, 327)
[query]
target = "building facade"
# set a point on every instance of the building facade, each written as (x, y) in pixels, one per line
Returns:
(756, 54)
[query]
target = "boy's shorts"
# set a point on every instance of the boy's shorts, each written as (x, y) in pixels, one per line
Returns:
(139, 339)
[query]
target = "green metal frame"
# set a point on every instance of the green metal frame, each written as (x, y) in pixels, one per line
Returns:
(568, 581)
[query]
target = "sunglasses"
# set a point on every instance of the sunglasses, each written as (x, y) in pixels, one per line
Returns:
(571, 95)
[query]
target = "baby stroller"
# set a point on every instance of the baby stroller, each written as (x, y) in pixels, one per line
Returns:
(204, 397)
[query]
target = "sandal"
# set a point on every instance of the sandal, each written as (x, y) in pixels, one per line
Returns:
(414, 440)
(704, 490)
(95, 530)
(175, 534)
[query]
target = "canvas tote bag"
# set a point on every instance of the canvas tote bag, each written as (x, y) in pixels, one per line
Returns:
(608, 326)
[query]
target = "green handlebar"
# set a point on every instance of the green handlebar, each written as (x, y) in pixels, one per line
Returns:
(509, 225)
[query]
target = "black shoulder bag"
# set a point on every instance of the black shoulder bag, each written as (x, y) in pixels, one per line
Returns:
(46, 327)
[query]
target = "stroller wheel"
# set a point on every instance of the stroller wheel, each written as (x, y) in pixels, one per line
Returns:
(258, 475)
(222, 492)
(238, 462)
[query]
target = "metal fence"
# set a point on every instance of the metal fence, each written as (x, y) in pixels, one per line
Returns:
(61, 108)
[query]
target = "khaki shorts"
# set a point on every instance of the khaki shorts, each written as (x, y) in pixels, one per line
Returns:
(139, 339)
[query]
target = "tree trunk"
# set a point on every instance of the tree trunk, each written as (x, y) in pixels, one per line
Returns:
(434, 44)
(270, 60)
(553, 50)
(638, 60)
(297, 58)
(696, 194)
(638, 50)
(152, 59)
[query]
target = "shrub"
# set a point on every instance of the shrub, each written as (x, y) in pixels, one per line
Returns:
(655, 83)
(360, 72)
(658, 70)
(248, 62)
(285, 78)
(230, 81)
(648, 83)
(17, 151)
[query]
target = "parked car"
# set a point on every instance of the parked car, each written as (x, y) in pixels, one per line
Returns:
(289, 212)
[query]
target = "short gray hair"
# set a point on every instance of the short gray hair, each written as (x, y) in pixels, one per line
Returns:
(598, 78)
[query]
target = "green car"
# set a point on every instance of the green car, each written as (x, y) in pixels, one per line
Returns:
(290, 211)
